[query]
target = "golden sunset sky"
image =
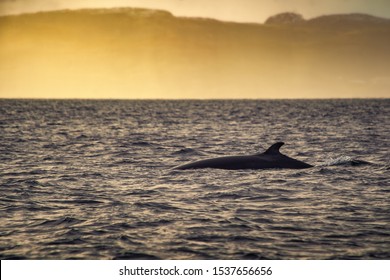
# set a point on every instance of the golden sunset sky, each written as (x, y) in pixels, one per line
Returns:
(134, 54)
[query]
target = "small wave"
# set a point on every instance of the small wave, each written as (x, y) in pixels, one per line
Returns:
(125, 162)
(344, 160)
(326, 171)
(187, 151)
(61, 221)
(32, 183)
(86, 201)
(187, 251)
(76, 201)
(135, 256)
(37, 172)
(244, 238)
(12, 257)
(141, 143)
(67, 241)
(81, 137)
(252, 256)
(156, 223)
(221, 195)
(206, 238)
(156, 206)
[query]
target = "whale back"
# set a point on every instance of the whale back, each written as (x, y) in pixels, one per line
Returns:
(271, 158)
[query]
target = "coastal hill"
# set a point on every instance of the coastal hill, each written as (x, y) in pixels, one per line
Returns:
(346, 21)
(140, 53)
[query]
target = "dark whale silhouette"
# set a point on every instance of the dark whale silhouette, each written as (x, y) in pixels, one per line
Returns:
(271, 158)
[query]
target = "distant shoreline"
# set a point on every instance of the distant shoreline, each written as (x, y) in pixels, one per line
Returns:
(193, 99)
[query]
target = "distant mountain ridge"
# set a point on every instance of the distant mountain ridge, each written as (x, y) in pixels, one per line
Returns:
(119, 10)
(142, 53)
(335, 20)
(281, 18)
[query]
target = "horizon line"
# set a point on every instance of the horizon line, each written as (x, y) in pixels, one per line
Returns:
(192, 99)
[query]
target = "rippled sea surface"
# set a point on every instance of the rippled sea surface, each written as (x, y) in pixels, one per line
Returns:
(92, 180)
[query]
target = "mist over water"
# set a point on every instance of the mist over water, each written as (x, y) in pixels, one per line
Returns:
(139, 53)
(93, 180)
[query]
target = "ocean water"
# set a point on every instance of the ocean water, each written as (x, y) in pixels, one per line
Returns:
(83, 179)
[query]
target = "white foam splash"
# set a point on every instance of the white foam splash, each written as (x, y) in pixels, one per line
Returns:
(343, 160)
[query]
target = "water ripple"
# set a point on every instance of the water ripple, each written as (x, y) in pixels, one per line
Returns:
(84, 179)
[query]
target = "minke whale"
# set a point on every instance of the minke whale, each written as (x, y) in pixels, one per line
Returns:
(271, 158)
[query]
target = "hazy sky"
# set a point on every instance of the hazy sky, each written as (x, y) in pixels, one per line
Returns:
(96, 61)
(233, 10)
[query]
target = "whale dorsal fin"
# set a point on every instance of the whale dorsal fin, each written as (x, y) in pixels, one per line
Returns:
(274, 149)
